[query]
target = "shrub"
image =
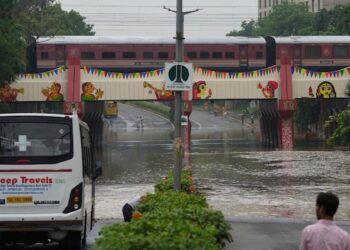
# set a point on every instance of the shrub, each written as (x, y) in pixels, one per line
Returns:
(169, 220)
(168, 182)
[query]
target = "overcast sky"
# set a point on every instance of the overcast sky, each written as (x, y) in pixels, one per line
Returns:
(148, 18)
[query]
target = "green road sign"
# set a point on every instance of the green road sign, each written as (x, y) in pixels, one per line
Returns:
(179, 76)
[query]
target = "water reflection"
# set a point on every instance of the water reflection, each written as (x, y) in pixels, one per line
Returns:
(238, 176)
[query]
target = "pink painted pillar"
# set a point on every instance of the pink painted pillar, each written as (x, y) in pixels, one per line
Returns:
(187, 98)
(73, 96)
(286, 106)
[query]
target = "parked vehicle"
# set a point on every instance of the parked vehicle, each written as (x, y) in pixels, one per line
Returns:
(47, 179)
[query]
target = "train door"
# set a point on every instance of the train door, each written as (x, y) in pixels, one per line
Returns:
(243, 55)
(60, 55)
(270, 51)
(297, 54)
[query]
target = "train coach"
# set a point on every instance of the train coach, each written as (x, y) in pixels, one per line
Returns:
(142, 53)
(128, 54)
(312, 52)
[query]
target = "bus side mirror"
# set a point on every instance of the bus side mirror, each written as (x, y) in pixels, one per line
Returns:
(97, 170)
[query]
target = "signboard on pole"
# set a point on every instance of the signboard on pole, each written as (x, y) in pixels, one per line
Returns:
(178, 76)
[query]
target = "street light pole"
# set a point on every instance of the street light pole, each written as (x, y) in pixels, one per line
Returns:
(178, 94)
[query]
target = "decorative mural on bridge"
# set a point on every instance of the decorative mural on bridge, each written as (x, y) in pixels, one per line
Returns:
(207, 84)
(97, 84)
(45, 86)
(316, 84)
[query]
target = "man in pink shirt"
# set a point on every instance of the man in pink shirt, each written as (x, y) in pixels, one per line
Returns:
(325, 234)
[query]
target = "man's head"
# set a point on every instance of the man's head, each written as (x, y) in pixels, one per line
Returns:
(326, 205)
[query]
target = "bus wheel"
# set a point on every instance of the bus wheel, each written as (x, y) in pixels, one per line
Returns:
(75, 242)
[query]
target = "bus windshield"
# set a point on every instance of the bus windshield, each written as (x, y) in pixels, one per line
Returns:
(35, 137)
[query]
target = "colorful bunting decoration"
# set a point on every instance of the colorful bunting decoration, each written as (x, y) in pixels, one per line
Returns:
(320, 74)
(42, 75)
(121, 75)
(237, 75)
(198, 70)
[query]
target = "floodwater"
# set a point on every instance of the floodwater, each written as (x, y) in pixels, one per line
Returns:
(237, 175)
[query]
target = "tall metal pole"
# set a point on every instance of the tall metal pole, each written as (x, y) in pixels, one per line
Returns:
(178, 98)
(178, 94)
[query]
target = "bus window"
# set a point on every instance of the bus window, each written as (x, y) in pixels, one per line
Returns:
(38, 140)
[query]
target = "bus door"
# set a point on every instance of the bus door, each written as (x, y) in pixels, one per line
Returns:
(60, 55)
(243, 55)
(297, 54)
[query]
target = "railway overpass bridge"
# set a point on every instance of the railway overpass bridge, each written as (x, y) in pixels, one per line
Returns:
(276, 88)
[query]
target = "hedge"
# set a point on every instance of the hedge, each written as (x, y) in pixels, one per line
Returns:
(169, 220)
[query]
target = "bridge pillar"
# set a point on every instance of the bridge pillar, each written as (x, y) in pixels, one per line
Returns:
(268, 123)
(286, 106)
(73, 58)
(187, 99)
(286, 130)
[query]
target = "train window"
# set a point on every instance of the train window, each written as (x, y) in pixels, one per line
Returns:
(163, 55)
(313, 51)
(204, 55)
(340, 51)
(217, 55)
(148, 55)
(44, 55)
(229, 55)
(129, 55)
(108, 55)
(259, 55)
(87, 55)
(192, 55)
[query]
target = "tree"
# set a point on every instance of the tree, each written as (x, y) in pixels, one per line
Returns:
(22, 22)
(306, 114)
(333, 22)
(290, 18)
(12, 45)
(46, 18)
(248, 29)
(340, 123)
(286, 19)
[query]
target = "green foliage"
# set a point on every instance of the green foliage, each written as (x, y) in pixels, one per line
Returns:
(168, 182)
(341, 124)
(333, 22)
(347, 89)
(46, 18)
(247, 29)
(289, 18)
(306, 114)
(22, 21)
(157, 232)
(169, 220)
(12, 46)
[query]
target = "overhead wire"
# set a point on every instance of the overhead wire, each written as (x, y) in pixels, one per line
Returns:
(119, 17)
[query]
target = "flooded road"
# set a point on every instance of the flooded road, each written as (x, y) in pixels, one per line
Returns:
(230, 167)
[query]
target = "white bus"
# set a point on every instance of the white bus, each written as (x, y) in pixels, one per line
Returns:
(47, 178)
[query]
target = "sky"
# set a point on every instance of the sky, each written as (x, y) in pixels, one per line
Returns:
(149, 18)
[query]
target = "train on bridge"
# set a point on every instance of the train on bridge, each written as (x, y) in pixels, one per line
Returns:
(130, 54)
